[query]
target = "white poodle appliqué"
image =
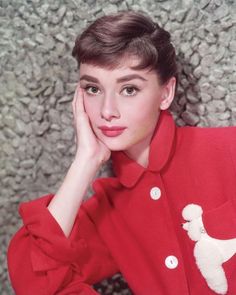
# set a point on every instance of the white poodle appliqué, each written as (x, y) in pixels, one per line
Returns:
(209, 253)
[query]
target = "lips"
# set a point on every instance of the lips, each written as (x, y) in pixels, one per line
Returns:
(112, 131)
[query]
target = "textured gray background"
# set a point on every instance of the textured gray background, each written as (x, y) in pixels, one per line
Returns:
(38, 78)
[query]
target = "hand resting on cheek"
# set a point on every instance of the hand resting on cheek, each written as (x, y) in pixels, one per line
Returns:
(87, 142)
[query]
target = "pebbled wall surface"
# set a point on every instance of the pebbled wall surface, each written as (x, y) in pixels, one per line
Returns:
(38, 77)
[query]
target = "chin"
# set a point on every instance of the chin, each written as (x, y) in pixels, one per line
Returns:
(122, 142)
(115, 146)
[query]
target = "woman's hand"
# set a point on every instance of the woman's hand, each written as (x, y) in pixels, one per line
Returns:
(90, 154)
(88, 145)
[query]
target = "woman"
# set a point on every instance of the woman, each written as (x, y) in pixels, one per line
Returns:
(132, 224)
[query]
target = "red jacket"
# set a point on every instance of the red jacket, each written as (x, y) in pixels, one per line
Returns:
(132, 224)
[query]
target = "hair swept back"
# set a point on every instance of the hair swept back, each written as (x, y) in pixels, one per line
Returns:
(113, 37)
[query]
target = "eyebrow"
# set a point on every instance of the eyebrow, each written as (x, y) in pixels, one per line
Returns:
(119, 80)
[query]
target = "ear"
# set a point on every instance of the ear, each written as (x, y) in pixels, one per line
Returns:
(168, 94)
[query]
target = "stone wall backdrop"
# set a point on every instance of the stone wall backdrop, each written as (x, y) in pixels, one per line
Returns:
(38, 78)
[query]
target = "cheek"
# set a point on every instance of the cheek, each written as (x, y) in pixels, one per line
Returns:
(91, 109)
(144, 121)
(145, 113)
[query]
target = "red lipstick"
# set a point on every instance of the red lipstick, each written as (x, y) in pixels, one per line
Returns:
(112, 131)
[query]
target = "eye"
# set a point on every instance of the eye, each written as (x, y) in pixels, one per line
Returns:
(130, 90)
(92, 90)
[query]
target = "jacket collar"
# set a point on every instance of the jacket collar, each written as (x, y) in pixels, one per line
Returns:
(128, 171)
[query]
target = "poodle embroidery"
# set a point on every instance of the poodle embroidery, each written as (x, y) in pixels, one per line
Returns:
(209, 253)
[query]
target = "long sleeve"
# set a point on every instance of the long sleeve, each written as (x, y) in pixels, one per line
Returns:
(43, 261)
(233, 155)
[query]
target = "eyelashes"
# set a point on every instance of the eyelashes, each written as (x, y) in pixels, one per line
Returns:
(129, 90)
(134, 92)
(86, 88)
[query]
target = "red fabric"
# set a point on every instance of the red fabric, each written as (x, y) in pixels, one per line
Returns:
(121, 228)
(43, 261)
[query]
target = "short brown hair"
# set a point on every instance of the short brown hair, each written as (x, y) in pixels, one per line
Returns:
(112, 37)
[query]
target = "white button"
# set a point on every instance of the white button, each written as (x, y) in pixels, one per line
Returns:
(155, 193)
(171, 262)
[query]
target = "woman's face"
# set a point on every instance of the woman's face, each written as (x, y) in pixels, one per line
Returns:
(125, 99)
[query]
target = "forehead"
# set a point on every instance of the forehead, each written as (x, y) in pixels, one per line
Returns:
(124, 67)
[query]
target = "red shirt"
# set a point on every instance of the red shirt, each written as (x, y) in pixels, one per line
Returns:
(132, 224)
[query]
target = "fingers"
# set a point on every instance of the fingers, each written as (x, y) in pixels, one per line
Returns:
(78, 108)
(73, 102)
(78, 101)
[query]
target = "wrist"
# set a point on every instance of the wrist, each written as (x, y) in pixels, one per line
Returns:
(86, 161)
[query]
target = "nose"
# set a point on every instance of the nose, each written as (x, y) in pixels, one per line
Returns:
(185, 225)
(109, 108)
